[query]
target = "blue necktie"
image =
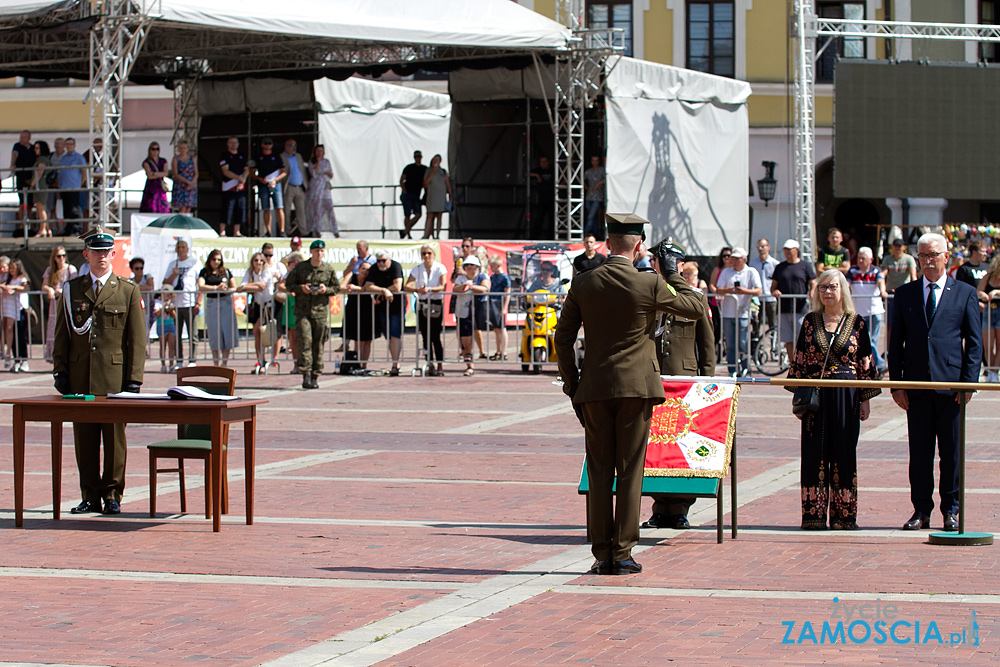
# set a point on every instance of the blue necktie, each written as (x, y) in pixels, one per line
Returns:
(931, 303)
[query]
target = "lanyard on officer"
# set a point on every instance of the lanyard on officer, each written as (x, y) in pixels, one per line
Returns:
(85, 327)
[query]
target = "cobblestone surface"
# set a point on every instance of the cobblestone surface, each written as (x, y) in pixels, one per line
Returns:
(435, 521)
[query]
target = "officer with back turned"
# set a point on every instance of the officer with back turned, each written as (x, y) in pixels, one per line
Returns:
(615, 390)
(99, 348)
(312, 283)
(683, 347)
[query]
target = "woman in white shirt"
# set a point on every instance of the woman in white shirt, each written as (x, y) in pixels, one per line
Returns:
(259, 282)
(15, 321)
(428, 280)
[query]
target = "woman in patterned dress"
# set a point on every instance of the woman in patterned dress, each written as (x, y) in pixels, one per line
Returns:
(829, 472)
(154, 195)
(184, 171)
(319, 203)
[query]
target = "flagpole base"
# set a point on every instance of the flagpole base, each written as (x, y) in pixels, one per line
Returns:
(961, 539)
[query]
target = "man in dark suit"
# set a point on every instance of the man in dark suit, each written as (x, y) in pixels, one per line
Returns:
(99, 348)
(935, 337)
(683, 347)
(615, 391)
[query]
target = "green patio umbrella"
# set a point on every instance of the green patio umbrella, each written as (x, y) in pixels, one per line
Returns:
(180, 225)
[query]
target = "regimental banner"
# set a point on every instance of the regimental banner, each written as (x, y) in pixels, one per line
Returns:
(691, 434)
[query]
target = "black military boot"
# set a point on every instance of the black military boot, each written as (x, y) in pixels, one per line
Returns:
(313, 384)
(307, 381)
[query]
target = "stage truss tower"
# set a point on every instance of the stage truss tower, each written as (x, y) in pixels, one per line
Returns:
(580, 73)
(807, 28)
(115, 41)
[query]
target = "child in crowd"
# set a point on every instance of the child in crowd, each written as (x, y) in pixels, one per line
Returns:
(166, 330)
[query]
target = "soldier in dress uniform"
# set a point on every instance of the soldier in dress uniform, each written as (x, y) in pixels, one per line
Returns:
(100, 349)
(312, 283)
(615, 390)
(683, 347)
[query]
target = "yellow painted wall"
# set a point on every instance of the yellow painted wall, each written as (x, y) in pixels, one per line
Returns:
(768, 45)
(48, 116)
(769, 110)
(546, 8)
(658, 27)
(778, 111)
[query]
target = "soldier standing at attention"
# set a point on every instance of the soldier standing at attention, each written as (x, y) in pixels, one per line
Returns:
(683, 347)
(615, 391)
(312, 283)
(100, 349)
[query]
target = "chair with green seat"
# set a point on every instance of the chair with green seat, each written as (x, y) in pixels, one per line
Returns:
(194, 441)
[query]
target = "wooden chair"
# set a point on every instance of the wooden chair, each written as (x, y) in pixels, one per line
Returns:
(194, 441)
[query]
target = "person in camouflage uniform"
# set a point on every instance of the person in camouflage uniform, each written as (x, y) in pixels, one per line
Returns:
(312, 283)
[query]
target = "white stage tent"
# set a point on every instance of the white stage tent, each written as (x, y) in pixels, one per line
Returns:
(370, 131)
(302, 39)
(678, 153)
(676, 140)
(677, 145)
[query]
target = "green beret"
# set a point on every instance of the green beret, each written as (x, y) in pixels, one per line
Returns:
(318, 243)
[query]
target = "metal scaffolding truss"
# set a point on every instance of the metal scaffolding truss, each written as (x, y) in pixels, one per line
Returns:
(807, 27)
(966, 32)
(805, 130)
(580, 74)
(187, 118)
(115, 42)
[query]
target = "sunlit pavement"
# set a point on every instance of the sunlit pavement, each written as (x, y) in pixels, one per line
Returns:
(435, 521)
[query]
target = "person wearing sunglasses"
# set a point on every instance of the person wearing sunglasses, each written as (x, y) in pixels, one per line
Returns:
(715, 302)
(53, 278)
(833, 344)
(386, 280)
(154, 194)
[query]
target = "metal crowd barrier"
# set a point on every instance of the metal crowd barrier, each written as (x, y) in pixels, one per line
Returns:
(182, 336)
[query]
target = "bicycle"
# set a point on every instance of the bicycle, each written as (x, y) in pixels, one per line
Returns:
(768, 353)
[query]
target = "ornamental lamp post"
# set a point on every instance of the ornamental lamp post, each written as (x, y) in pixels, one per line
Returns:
(767, 186)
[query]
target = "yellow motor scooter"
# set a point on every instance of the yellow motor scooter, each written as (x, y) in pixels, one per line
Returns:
(538, 338)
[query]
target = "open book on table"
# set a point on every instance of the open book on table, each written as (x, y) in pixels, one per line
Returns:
(184, 392)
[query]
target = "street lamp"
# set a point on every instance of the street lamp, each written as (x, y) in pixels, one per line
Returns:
(767, 186)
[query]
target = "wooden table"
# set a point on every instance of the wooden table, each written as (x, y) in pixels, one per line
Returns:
(56, 410)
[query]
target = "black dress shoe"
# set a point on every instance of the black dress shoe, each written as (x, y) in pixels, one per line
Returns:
(627, 567)
(917, 522)
(680, 522)
(951, 523)
(112, 506)
(658, 521)
(86, 507)
(600, 567)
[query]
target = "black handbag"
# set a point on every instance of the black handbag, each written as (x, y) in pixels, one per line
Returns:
(805, 400)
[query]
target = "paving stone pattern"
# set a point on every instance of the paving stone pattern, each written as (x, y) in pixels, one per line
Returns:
(435, 521)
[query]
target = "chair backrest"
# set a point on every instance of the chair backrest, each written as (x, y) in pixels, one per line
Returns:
(214, 380)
